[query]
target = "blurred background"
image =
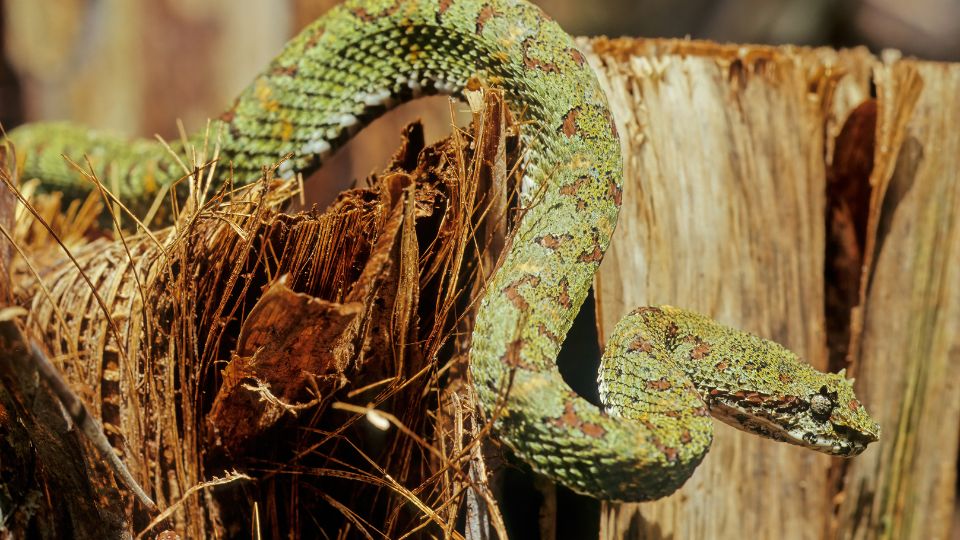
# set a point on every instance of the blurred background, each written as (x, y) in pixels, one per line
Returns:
(137, 67)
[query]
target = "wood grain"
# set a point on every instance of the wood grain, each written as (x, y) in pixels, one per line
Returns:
(726, 153)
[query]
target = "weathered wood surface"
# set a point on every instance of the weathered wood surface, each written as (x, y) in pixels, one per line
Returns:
(728, 150)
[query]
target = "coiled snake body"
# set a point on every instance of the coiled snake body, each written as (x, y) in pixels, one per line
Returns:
(665, 371)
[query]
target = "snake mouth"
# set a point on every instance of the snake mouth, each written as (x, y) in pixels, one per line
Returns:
(851, 442)
(842, 442)
(828, 444)
(828, 438)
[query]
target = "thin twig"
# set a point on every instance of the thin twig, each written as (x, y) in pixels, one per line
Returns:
(89, 426)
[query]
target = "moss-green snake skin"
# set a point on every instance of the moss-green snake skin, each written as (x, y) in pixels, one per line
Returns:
(666, 371)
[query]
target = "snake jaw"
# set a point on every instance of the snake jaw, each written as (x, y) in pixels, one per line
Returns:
(854, 442)
(816, 422)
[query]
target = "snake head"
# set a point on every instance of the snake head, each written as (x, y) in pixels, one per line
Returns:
(835, 421)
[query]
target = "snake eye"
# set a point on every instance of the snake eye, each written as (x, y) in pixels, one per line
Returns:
(822, 404)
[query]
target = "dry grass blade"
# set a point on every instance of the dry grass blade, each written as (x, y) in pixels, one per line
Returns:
(229, 478)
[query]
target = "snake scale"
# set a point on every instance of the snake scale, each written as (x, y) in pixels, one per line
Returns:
(665, 372)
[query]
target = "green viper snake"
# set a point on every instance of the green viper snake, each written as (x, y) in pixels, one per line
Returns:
(665, 372)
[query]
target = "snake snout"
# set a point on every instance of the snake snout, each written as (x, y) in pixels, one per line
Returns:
(853, 442)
